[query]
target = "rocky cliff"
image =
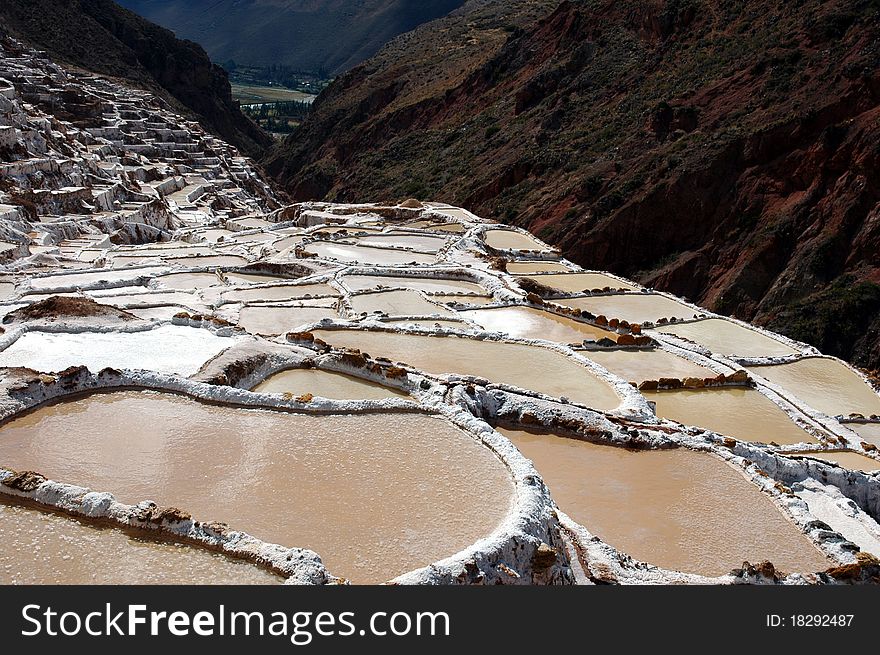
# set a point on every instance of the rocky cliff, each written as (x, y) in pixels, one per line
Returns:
(101, 36)
(726, 151)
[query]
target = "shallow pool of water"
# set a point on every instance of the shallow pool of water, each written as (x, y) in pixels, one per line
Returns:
(326, 384)
(640, 365)
(184, 281)
(846, 458)
(824, 384)
(282, 292)
(729, 338)
(742, 413)
(524, 267)
(367, 255)
(632, 307)
(375, 495)
(677, 509)
(530, 323)
(527, 367)
(424, 243)
(870, 432)
(396, 303)
(367, 282)
(577, 282)
(42, 548)
(510, 240)
(272, 321)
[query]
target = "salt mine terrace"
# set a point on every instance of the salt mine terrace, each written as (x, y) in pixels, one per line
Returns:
(448, 400)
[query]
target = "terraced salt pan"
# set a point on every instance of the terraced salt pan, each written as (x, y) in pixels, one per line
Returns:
(80, 279)
(326, 384)
(368, 255)
(463, 300)
(633, 307)
(824, 384)
(455, 228)
(530, 323)
(729, 338)
(375, 495)
(215, 235)
(272, 321)
(577, 282)
(845, 458)
(144, 299)
(49, 549)
(186, 281)
(732, 411)
(288, 242)
(836, 512)
(167, 349)
(251, 278)
(510, 240)
(431, 323)
(213, 260)
(677, 509)
(870, 432)
(640, 365)
(282, 292)
(7, 290)
(159, 313)
(433, 285)
(396, 303)
(525, 267)
(255, 237)
(528, 367)
(426, 243)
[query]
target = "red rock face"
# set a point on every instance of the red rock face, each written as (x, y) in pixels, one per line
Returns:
(726, 154)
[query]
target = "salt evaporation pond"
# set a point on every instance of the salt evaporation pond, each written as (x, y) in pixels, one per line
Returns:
(845, 458)
(375, 495)
(402, 240)
(525, 267)
(433, 285)
(72, 280)
(640, 365)
(510, 240)
(166, 349)
(824, 384)
(528, 367)
(530, 323)
(632, 307)
(47, 548)
(396, 303)
(729, 338)
(462, 300)
(272, 321)
(430, 323)
(186, 281)
(211, 260)
(738, 412)
(251, 278)
(281, 292)
(577, 282)
(7, 290)
(677, 509)
(368, 255)
(326, 384)
(870, 432)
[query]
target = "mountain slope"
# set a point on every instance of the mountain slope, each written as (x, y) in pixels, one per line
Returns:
(721, 150)
(309, 35)
(100, 36)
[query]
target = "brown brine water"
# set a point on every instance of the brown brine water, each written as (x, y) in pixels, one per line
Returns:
(530, 323)
(824, 384)
(632, 307)
(396, 303)
(271, 321)
(742, 413)
(677, 509)
(729, 338)
(375, 495)
(45, 548)
(641, 365)
(845, 458)
(326, 384)
(528, 367)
